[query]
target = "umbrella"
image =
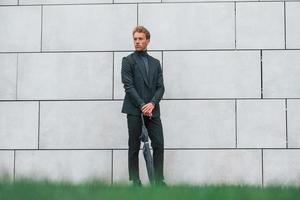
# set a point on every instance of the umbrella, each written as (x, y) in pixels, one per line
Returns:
(147, 152)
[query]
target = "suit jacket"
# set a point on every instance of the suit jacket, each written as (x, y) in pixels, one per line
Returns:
(139, 87)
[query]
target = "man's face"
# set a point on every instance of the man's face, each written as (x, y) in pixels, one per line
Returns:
(140, 41)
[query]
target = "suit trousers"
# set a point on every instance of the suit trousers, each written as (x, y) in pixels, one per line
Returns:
(155, 131)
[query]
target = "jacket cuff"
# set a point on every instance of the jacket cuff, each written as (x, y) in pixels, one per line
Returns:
(154, 101)
(141, 105)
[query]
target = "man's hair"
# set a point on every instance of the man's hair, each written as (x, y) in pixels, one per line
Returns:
(141, 29)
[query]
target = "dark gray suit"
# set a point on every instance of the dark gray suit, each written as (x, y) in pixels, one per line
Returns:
(141, 88)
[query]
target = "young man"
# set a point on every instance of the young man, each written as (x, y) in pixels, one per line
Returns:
(143, 83)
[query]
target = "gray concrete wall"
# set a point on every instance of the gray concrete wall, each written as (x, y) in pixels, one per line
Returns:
(230, 112)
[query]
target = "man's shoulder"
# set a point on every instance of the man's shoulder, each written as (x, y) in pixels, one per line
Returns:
(129, 58)
(154, 59)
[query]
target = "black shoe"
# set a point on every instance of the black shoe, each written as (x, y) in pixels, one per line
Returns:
(161, 184)
(137, 183)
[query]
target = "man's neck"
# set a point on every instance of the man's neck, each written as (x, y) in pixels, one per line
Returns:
(142, 52)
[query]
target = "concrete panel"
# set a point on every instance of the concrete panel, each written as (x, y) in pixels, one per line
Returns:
(82, 125)
(119, 91)
(213, 166)
(20, 28)
(9, 2)
(260, 25)
(65, 76)
(212, 74)
(208, 124)
(292, 25)
(45, 2)
(174, 26)
(281, 74)
(89, 27)
(19, 125)
(8, 76)
(261, 124)
(70, 165)
(282, 167)
(293, 118)
(120, 167)
(6, 165)
(199, 167)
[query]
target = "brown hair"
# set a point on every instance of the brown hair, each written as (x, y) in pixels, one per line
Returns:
(141, 29)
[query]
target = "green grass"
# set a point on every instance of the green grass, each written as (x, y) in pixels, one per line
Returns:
(47, 190)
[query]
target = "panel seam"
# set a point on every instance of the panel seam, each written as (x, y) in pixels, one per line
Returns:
(286, 124)
(284, 17)
(112, 167)
(42, 17)
(39, 117)
(262, 167)
(261, 76)
(235, 46)
(236, 135)
(113, 75)
(17, 76)
(137, 14)
(14, 175)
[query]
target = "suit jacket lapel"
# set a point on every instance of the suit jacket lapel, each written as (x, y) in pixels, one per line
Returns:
(142, 68)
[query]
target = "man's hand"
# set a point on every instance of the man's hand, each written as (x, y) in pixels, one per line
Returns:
(147, 109)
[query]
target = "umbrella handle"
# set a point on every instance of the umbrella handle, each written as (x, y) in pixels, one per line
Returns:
(144, 135)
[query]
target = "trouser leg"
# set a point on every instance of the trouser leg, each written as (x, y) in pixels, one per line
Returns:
(134, 130)
(155, 131)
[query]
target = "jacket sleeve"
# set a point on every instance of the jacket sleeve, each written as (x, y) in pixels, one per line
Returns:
(160, 88)
(127, 80)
